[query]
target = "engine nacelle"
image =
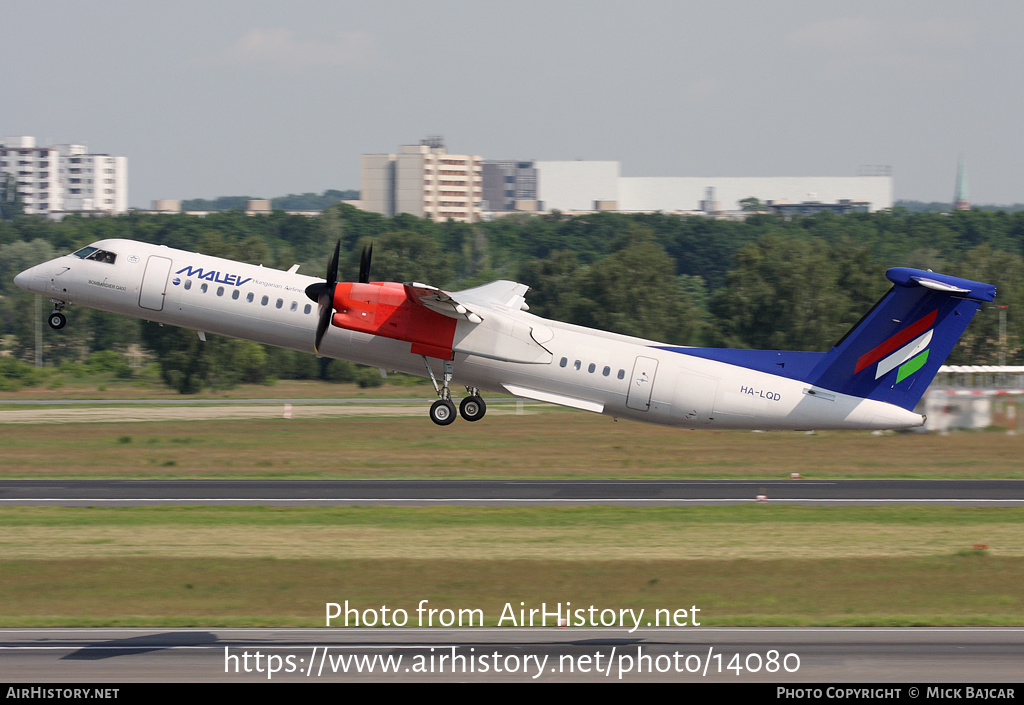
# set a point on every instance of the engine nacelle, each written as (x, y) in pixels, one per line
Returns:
(385, 309)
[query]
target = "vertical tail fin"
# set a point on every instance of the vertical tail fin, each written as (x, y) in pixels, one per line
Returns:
(896, 349)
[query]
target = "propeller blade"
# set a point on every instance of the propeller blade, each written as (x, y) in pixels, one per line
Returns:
(332, 268)
(364, 263)
(323, 294)
(321, 327)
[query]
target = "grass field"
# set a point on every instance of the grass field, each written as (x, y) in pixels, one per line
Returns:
(752, 565)
(758, 564)
(543, 443)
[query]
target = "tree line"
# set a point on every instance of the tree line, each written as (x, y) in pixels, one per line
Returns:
(761, 282)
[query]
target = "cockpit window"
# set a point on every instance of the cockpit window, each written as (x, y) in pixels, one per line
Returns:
(96, 254)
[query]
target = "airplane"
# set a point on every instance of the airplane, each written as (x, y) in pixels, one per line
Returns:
(486, 339)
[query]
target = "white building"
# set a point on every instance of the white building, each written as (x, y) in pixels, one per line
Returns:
(425, 181)
(35, 171)
(65, 178)
(579, 185)
(93, 182)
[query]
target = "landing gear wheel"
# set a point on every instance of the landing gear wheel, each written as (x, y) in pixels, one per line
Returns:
(442, 412)
(473, 408)
(57, 320)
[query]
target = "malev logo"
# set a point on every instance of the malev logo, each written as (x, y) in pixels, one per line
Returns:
(214, 276)
(907, 350)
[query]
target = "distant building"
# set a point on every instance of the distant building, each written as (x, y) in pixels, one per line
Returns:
(842, 207)
(577, 185)
(65, 178)
(166, 205)
(35, 172)
(93, 182)
(507, 182)
(425, 181)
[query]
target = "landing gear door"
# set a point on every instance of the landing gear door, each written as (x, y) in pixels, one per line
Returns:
(154, 283)
(641, 384)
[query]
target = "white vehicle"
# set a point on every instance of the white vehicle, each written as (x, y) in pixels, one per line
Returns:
(484, 338)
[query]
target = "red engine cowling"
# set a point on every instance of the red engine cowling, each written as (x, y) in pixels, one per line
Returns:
(385, 309)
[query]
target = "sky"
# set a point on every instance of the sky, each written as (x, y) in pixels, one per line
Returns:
(263, 98)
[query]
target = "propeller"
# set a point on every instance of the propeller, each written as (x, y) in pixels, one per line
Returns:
(323, 294)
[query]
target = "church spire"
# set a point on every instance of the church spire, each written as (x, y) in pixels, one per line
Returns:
(960, 199)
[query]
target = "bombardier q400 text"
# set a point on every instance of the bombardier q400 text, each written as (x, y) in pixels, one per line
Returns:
(483, 338)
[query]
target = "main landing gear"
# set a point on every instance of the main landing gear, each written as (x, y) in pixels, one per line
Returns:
(442, 411)
(473, 407)
(57, 319)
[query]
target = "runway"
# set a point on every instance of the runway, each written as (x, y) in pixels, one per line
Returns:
(991, 493)
(913, 657)
(38, 411)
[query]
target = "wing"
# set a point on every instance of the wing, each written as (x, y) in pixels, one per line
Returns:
(439, 301)
(470, 304)
(502, 293)
(488, 321)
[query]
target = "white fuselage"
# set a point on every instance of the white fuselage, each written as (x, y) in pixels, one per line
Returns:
(617, 375)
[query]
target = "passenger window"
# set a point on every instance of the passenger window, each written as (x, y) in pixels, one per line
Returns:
(188, 284)
(592, 367)
(204, 288)
(264, 300)
(295, 306)
(307, 309)
(280, 303)
(220, 291)
(622, 374)
(606, 371)
(234, 294)
(563, 362)
(576, 365)
(248, 297)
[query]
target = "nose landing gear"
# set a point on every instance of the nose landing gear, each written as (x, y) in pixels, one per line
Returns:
(57, 319)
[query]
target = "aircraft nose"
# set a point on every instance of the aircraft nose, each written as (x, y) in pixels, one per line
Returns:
(24, 279)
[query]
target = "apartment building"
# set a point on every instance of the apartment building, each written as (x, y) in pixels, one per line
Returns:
(58, 179)
(423, 180)
(35, 171)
